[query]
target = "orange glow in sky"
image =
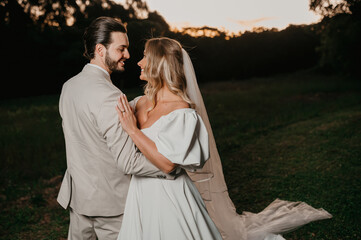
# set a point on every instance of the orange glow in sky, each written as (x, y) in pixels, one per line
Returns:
(233, 15)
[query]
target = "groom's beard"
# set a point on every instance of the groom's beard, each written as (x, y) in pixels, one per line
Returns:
(113, 65)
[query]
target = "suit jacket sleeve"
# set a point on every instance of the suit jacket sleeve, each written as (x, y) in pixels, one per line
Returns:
(128, 158)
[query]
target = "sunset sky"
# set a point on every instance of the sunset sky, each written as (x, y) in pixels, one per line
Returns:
(233, 15)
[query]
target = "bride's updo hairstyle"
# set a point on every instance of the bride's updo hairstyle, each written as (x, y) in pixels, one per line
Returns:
(164, 66)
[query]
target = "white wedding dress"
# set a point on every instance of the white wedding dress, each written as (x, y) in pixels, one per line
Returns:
(159, 209)
(196, 205)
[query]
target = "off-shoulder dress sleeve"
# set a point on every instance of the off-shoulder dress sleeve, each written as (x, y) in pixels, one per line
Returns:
(183, 139)
(133, 103)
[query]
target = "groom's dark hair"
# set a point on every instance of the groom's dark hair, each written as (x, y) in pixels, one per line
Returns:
(99, 31)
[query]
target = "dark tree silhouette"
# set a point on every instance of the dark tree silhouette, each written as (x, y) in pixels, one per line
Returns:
(42, 45)
(340, 35)
(329, 8)
(13, 14)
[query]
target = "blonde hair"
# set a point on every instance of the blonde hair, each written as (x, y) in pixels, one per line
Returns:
(165, 66)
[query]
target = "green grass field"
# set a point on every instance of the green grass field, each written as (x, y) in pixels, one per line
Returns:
(295, 137)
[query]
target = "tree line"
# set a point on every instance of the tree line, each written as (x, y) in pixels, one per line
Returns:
(42, 43)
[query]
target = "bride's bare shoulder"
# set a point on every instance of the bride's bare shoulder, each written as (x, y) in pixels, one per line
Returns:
(142, 102)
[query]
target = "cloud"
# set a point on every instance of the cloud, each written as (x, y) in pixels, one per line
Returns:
(252, 23)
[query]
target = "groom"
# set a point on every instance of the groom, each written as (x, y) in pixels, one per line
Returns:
(100, 155)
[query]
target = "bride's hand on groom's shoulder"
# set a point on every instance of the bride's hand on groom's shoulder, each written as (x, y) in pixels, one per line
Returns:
(126, 115)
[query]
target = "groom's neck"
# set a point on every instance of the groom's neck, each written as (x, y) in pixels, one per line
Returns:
(98, 62)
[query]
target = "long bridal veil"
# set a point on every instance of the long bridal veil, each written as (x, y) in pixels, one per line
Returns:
(279, 217)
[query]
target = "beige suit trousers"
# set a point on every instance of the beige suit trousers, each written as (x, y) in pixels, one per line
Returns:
(92, 228)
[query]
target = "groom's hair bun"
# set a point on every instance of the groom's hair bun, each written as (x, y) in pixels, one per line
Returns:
(99, 31)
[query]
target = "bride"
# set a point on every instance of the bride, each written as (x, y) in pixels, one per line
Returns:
(170, 126)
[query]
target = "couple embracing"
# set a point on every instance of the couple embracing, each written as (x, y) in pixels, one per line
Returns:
(149, 168)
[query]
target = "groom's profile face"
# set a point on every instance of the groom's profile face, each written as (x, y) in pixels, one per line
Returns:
(117, 52)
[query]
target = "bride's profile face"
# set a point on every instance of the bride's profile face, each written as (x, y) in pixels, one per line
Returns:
(142, 63)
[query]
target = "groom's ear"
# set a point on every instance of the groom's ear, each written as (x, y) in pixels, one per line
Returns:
(100, 49)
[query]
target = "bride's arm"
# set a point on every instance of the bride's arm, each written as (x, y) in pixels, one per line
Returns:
(144, 144)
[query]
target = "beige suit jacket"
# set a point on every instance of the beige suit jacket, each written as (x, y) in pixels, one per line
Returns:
(100, 155)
